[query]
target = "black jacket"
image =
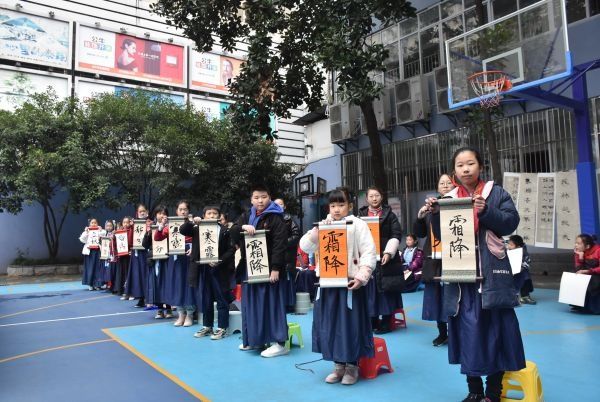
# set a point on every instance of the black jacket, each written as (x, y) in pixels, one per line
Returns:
(389, 227)
(276, 235)
(292, 242)
(225, 268)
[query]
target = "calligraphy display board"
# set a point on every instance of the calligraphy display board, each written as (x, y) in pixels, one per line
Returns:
(511, 185)
(93, 239)
(257, 259)
(373, 223)
(139, 230)
(457, 232)
(545, 218)
(333, 255)
(208, 231)
(176, 239)
(527, 206)
(122, 243)
(160, 249)
(567, 209)
(105, 247)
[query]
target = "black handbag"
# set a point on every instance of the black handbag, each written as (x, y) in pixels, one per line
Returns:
(390, 277)
(431, 268)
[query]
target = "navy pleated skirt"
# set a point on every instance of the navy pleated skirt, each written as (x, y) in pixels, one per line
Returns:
(592, 303)
(305, 283)
(382, 303)
(341, 334)
(93, 269)
(118, 284)
(289, 284)
(263, 314)
(433, 303)
(175, 288)
(483, 341)
(156, 276)
(110, 269)
(137, 277)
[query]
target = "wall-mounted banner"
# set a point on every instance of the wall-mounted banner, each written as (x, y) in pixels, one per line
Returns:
(33, 39)
(212, 109)
(457, 230)
(545, 217)
(17, 86)
(373, 223)
(527, 206)
(160, 249)
(176, 239)
(110, 53)
(257, 259)
(567, 209)
(139, 230)
(208, 231)
(212, 72)
(105, 247)
(89, 88)
(333, 255)
(93, 239)
(122, 244)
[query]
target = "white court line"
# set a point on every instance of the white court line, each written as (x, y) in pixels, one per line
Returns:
(72, 318)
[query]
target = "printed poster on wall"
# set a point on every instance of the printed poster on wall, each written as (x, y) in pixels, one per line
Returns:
(127, 56)
(33, 39)
(213, 110)
(85, 90)
(567, 209)
(457, 232)
(527, 207)
(16, 87)
(213, 72)
(545, 219)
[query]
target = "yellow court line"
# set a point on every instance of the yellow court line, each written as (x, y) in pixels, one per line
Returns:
(155, 366)
(37, 352)
(53, 305)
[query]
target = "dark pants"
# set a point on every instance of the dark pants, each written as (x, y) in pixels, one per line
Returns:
(213, 292)
(493, 386)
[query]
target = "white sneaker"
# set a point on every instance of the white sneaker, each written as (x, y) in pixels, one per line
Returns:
(131, 298)
(203, 332)
(180, 320)
(245, 348)
(274, 350)
(220, 333)
(90, 288)
(124, 298)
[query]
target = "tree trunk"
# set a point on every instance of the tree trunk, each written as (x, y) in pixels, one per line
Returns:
(379, 175)
(488, 130)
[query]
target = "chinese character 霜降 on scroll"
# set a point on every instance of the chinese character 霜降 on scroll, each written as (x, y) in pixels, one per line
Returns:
(333, 255)
(457, 231)
(257, 259)
(209, 241)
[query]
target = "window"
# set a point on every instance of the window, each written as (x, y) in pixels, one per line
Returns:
(408, 26)
(451, 7)
(471, 18)
(575, 10)
(389, 35)
(429, 16)
(594, 7)
(410, 56)
(503, 7)
(430, 49)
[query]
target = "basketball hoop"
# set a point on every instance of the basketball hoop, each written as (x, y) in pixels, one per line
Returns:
(488, 85)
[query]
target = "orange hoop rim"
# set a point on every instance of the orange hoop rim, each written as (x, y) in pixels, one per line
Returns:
(504, 80)
(489, 90)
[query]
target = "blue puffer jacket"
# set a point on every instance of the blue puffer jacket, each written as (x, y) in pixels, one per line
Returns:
(499, 218)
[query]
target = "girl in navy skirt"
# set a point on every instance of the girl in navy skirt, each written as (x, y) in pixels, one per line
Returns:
(137, 276)
(123, 261)
(175, 288)
(428, 226)
(157, 267)
(341, 322)
(383, 304)
(92, 267)
(110, 264)
(483, 330)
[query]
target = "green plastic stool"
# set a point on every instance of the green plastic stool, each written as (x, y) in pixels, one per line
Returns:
(294, 329)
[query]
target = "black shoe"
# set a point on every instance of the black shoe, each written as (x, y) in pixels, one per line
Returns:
(441, 340)
(474, 397)
(382, 330)
(138, 305)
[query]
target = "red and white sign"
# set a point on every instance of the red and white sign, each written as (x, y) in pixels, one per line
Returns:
(213, 72)
(127, 56)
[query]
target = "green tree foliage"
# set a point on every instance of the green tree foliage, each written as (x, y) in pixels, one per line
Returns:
(290, 45)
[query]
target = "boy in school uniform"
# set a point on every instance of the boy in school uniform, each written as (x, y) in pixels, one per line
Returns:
(263, 304)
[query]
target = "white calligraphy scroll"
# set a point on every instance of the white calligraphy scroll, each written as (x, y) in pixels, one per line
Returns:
(545, 217)
(105, 247)
(511, 185)
(160, 249)
(93, 239)
(176, 239)
(139, 230)
(208, 237)
(527, 206)
(457, 230)
(567, 209)
(122, 243)
(573, 288)
(257, 259)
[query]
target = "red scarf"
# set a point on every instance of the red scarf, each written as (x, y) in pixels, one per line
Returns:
(464, 193)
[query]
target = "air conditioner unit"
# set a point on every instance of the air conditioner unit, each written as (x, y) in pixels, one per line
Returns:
(383, 112)
(412, 100)
(440, 77)
(344, 122)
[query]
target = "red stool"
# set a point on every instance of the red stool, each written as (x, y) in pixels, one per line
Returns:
(237, 292)
(369, 366)
(396, 322)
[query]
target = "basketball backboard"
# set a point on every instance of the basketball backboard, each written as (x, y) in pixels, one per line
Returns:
(530, 45)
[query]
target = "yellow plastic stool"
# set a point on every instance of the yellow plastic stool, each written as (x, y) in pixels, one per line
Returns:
(527, 381)
(294, 329)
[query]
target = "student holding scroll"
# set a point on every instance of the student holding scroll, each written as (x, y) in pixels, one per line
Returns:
(175, 289)
(289, 279)
(341, 321)
(92, 267)
(483, 330)
(382, 302)
(110, 264)
(137, 276)
(263, 304)
(157, 267)
(427, 226)
(587, 262)
(123, 261)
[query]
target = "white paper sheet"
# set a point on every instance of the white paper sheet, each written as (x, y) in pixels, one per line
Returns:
(515, 257)
(573, 288)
